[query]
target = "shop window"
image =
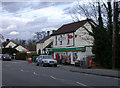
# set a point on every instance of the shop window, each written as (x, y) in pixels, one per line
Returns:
(75, 56)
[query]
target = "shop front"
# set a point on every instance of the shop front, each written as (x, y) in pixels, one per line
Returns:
(68, 55)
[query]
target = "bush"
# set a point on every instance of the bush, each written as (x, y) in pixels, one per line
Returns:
(21, 56)
(9, 51)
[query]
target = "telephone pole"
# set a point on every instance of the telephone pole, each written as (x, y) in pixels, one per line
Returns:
(113, 40)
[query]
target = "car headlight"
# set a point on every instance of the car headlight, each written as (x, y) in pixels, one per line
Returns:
(45, 61)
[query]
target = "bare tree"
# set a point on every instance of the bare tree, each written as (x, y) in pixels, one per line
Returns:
(19, 42)
(101, 13)
(1, 36)
(39, 35)
(31, 45)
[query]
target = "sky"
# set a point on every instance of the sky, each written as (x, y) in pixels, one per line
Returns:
(22, 19)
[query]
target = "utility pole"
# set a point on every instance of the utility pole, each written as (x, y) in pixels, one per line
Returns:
(113, 40)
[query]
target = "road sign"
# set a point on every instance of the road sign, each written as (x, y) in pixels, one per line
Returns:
(14, 54)
(28, 52)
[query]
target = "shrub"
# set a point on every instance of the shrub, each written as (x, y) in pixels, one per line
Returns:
(9, 51)
(21, 56)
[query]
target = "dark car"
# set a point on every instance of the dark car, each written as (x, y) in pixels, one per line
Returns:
(6, 57)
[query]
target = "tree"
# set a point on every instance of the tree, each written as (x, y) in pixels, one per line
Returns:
(19, 42)
(31, 45)
(9, 51)
(39, 35)
(101, 14)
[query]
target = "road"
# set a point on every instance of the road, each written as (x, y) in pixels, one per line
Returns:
(21, 73)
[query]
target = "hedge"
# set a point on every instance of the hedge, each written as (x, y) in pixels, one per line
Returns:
(21, 56)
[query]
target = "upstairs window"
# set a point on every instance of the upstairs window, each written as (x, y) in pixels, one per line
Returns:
(60, 39)
(55, 40)
(68, 41)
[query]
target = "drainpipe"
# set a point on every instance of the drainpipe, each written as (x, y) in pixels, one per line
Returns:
(73, 39)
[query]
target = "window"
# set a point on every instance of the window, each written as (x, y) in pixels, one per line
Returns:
(55, 40)
(68, 41)
(60, 39)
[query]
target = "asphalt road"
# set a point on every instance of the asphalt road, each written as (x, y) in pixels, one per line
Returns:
(21, 73)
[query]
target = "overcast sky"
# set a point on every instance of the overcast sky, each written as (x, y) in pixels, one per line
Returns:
(23, 19)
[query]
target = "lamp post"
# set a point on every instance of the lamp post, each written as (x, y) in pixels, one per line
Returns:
(113, 40)
(14, 54)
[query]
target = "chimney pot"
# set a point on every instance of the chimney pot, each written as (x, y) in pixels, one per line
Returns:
(7, 40)
(48, 32)
(53, 31)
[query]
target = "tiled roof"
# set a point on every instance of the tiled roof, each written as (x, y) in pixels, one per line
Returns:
(5, 44)
(68, 28)
(44, 39)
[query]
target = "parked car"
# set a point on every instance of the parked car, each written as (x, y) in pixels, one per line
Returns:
(46, 60)
(77, 63)
(6, 57)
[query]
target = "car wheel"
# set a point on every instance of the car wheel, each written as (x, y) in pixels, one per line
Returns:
(55, 65)
(43, 64)
(37, 64)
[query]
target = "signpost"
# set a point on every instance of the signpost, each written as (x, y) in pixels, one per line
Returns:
(29, 58)
(14, 54)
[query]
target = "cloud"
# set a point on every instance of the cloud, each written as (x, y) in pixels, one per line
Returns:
(14, 33)
(13, 7)
(33, 18)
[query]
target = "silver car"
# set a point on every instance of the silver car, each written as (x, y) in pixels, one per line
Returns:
(46, 60)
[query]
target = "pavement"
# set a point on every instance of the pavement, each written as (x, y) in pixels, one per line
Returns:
(101, 72)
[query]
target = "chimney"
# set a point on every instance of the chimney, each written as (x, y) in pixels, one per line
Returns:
(48, 33)
(7, 40)
(53, 31)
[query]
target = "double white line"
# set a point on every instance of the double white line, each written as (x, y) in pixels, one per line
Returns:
(52, 77)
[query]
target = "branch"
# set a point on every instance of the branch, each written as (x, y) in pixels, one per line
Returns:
(90, 33)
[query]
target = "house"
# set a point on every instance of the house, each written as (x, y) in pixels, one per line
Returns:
(10, 44)
(46, 42)
(72, 41)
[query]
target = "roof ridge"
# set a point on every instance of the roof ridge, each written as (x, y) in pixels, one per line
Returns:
(70, 27)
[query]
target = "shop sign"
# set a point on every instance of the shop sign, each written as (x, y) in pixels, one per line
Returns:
(83, 49)
(61, 39)
(70, 36)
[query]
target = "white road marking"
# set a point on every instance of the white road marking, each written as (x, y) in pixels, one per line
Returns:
(52, 77)
(81, 84)
(35, 73)
(21, 70)
(86, 74)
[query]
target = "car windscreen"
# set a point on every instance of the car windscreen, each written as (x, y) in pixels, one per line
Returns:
(5, 55)
(47, 57)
